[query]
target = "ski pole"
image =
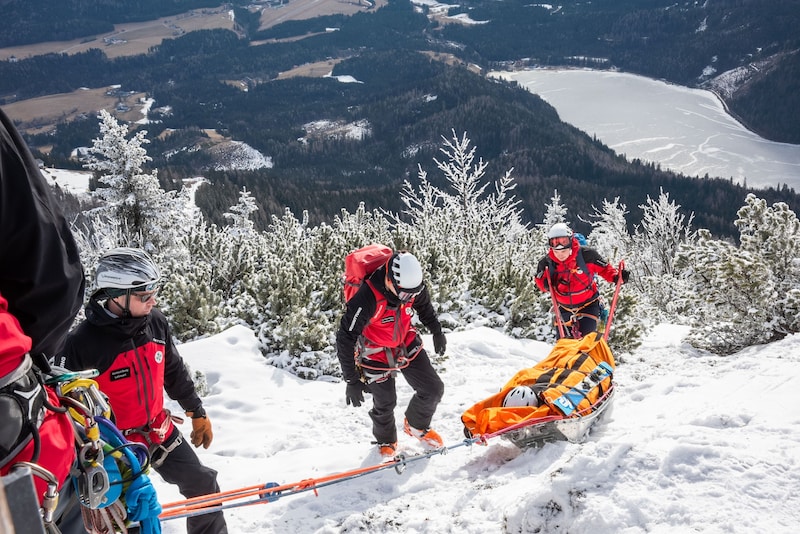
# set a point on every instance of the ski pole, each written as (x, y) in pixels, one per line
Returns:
(613, 307)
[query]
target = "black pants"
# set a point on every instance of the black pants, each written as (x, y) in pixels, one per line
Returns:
(586, 319)
(182, 467)
(428, 391)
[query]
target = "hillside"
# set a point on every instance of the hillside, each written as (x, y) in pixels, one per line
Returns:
(684, 449)
(401, 100)
(692, 44)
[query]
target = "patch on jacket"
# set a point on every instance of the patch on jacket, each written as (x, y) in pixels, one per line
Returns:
(386, 320)
(119, 374)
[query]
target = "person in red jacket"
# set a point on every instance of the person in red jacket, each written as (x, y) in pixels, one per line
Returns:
(376, 330)
(568, 270)
(41, 290)
(128, 340)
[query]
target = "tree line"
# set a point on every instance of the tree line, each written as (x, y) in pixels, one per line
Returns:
(285, 282)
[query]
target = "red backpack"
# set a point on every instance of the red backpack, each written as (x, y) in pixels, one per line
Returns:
(361, 263)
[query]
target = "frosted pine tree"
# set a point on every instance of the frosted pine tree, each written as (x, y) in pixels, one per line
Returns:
(610, 231)
(555, 212)
(471, 238)
(240, 215)
(145, 215)
(749, 294)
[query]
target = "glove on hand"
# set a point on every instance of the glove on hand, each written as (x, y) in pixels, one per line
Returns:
(355, 393)
(439, 343)
(201, 429)
(626, 274)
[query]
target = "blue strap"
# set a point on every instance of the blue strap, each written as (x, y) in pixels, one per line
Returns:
(141, 499)
(142, 503)
(569, 400)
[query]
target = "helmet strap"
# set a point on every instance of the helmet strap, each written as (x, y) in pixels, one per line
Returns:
(126, 310)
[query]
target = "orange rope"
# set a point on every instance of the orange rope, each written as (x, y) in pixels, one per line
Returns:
(215, 499)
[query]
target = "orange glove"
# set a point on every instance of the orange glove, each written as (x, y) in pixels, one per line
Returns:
(201, 429)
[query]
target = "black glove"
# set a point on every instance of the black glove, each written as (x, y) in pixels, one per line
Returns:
(355, 393)
(439, 343)
(546, 284)
(626, 274)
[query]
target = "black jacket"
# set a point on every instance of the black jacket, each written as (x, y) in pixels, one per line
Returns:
(137, 360)
(40, 270)
(360, 311)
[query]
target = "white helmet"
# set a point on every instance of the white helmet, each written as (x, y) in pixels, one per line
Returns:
(405, 271)
(559, 230)
(520, 396)
(126, 269)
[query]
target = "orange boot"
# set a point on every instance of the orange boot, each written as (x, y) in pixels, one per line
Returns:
(387, 450)
(428, 436)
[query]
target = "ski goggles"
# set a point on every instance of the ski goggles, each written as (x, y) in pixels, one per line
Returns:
(407, 294)
(560, 243)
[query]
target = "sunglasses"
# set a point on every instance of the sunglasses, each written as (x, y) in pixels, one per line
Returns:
(145, 297)
(560, 243)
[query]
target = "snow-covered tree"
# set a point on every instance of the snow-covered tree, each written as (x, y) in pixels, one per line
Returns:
(656, 239)
(610, 231)
(146, 216)
(748, 294)
(240, 215)
(470, 237)
(555, 212)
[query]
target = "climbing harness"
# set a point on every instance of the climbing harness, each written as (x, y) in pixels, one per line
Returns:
(576, 315)
(397, 358)
(110, 473)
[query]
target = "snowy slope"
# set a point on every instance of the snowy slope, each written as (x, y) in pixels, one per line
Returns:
(693, 443)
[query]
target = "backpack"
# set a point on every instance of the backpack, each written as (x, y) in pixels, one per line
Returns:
(361, 263)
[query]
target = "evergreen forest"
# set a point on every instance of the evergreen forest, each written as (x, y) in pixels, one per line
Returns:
(410, 101)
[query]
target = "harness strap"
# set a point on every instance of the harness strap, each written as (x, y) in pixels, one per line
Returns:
(574, 311)
(398, 358)
(22, 400)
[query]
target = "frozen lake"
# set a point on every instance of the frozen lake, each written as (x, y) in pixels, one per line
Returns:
(685, 130)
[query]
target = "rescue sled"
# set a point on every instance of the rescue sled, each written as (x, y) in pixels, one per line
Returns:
(572, 388)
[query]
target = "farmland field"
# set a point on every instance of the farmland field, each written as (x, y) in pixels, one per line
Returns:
(42, 114)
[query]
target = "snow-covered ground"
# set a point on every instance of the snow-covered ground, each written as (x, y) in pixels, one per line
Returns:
(76, 182)
(693, 443)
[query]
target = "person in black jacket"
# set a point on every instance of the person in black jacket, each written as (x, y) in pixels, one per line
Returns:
(40, 270)
(376, 331)
(129, 342)
(41, 291)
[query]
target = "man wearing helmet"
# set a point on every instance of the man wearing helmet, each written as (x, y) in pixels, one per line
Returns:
(569, 269)
(128, 339)
(376, 339)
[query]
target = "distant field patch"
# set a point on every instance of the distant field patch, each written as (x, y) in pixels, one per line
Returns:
(312, 70)
(37, 115)
(130, 39)
(308, 9)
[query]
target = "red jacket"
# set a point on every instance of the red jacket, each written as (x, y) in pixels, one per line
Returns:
(57, 451)
(41, 289)
(572, 284)
(137, 360)
(384, 321)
